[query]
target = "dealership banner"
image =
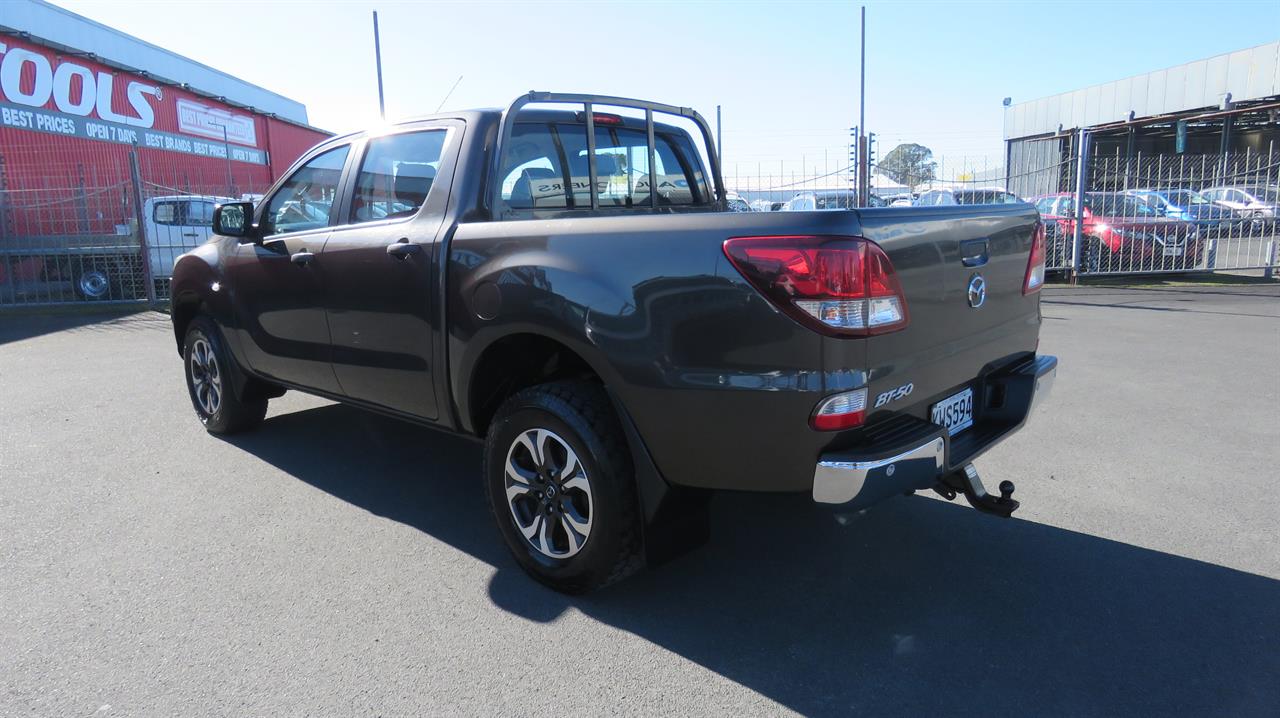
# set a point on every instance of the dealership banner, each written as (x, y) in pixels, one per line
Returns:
(43, 91)
(58, 123)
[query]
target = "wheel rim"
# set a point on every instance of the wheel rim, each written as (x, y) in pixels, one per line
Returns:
(548, 494)
(93, 283)
(206, 378)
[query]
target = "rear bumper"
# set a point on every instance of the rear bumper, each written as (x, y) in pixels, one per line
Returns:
(921, 453)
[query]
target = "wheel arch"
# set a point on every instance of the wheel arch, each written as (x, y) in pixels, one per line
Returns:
(511, 363)
(195, 289)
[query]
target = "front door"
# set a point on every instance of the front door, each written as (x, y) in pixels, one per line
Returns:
(377, 270)
(278, 292)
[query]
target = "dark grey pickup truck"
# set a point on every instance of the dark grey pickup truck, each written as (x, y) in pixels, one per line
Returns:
(561, 279)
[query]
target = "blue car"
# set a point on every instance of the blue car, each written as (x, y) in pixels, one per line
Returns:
(1188, 206)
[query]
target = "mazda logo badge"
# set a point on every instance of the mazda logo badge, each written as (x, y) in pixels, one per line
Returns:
(977, 291)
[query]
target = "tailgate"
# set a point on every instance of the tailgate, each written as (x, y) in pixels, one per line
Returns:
(951, 339)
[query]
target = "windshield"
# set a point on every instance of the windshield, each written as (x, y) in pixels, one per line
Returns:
(1266, 194)
(1116, 205)
(843, 200)
(1185, 197)
(984, 196)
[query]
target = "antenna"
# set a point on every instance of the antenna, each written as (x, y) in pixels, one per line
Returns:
(450, 92)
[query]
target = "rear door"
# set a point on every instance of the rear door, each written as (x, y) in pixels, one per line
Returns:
(378, 271)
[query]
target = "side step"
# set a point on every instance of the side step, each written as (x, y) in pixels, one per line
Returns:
(968, 481)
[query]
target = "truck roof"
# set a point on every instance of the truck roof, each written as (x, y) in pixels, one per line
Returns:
(525, 115)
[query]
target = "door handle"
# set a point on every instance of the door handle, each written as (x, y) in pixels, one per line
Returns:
(301, 258)
(973, 253)
(190, 234)
(401, 248)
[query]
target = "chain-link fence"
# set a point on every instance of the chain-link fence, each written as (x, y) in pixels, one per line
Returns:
(108, 227)
(104, 224)
(1113, 213)
(1178, 212)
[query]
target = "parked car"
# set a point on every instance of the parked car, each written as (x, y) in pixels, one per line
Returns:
(1259, 204)
(828, 199)
(1188, 206)
(736, 203)
(949, 196)
(1121, 233)
(622, 352)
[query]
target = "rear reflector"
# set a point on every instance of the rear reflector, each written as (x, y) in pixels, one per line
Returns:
(840, 411)
(1035, 263)
(837, 285)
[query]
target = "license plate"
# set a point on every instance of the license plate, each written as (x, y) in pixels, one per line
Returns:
(955, 412)
(1172, 251)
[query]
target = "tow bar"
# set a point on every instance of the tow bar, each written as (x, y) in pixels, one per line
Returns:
(967, 481)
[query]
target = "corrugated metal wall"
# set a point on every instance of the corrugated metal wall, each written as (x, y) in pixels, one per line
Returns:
(1038, 166)
(1248, 74)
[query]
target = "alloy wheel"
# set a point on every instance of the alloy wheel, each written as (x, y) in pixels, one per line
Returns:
(548, 493)
(206, 378)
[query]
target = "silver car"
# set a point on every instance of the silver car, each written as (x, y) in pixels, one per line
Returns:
(1248, 201)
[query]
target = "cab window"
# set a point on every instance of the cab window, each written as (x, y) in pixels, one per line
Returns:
(183, 212)
(534, 174)
(396, 175)
(546, 167)
(305, 199)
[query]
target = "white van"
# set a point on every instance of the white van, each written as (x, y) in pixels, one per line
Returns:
(177, 224)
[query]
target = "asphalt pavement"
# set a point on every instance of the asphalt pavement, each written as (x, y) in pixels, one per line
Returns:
(340, 563)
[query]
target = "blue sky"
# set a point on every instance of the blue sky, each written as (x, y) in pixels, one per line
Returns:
(786, 74)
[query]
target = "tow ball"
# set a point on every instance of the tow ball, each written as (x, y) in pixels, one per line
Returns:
(967, 481)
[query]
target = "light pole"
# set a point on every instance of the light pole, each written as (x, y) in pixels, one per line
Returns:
(226, 148)
(719, 136)
(864, 172)
(377, 56)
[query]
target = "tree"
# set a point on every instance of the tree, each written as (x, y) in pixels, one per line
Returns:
(909, 164)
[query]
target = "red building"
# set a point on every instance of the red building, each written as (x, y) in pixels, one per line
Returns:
(69, 123)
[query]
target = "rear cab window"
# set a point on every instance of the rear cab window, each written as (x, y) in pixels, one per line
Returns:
(545, 164)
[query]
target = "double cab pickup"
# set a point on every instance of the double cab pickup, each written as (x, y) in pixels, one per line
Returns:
(563, 281)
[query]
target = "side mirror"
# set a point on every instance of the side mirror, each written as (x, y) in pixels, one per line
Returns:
(234, 219)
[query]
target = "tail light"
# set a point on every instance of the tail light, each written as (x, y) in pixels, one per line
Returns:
(843, 286)
(1035, 263)
(840, 411)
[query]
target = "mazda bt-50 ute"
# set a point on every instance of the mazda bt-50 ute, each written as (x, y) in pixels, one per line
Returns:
(562, 280)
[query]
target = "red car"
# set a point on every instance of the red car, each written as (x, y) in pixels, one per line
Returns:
(1122, 234)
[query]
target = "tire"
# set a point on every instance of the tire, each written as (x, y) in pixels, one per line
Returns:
(574, 529)
(1091, 263)
(92, 281)
(208, 365)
